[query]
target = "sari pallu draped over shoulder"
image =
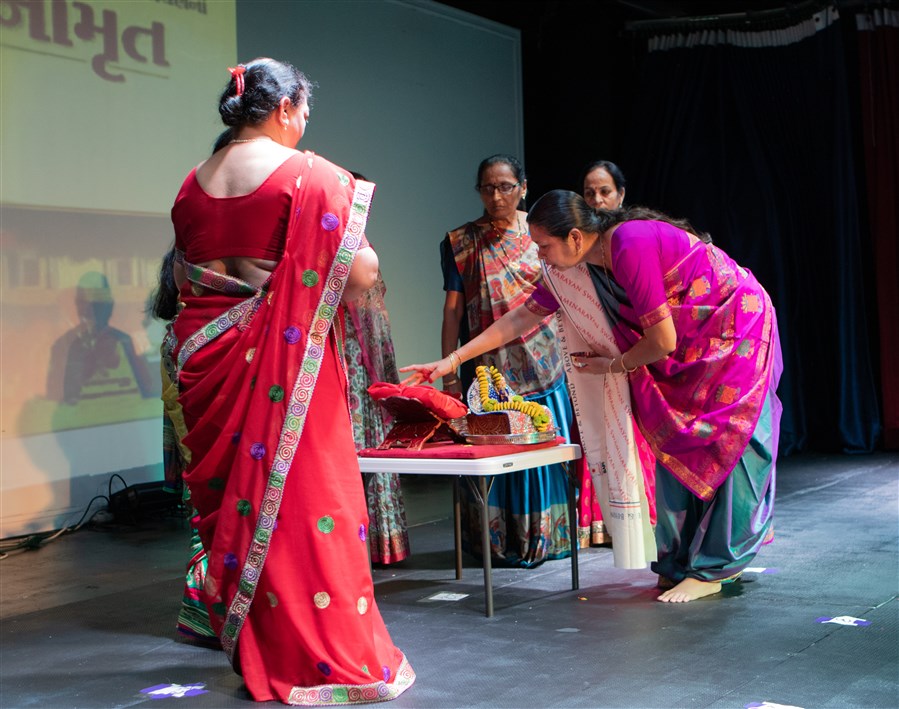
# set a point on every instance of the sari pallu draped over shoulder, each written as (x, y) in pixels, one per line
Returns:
(698, 407)
(499, 275)
(273, 472)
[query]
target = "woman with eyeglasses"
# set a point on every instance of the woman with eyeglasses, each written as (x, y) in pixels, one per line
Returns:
(490, 266)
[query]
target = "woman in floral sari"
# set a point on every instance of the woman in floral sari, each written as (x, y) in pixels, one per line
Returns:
(370, 359)
(270, 241)
(193, 618)
(490, 266)
(695, 337)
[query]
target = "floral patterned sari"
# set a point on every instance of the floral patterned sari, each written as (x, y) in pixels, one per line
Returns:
(527, 511)
(370, 359)
(698, 407)
(499, 274)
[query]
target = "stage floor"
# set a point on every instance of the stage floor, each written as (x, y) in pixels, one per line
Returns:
(88, 620)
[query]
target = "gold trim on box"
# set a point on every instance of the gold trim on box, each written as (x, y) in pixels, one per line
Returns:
(520, 439)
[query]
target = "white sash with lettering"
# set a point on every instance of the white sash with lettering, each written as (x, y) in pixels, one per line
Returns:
(602, 407)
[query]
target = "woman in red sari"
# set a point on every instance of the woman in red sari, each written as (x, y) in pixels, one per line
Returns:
(270, 241)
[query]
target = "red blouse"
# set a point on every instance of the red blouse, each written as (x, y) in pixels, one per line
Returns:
(251, 225)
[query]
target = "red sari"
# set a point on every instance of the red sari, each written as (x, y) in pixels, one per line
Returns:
(273, 472)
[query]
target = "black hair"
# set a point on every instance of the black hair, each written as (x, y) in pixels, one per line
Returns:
(614, 172)
(266, 82)
(164, 304)
(560, 211)
(503, 159)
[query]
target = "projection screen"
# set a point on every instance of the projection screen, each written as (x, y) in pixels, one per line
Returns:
(105, 108)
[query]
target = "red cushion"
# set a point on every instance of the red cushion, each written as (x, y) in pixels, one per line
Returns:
(381, 390)
(442, 404)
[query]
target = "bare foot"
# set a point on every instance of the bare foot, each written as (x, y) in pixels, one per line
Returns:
(689, 590)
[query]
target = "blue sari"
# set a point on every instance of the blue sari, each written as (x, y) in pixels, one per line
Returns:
(527, 511)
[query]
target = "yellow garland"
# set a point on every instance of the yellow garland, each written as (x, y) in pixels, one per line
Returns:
(537, 413)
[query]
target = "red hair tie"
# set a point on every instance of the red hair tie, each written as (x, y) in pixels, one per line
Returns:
(237, 73)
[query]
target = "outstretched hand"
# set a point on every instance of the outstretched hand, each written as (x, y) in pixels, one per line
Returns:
(426, 372)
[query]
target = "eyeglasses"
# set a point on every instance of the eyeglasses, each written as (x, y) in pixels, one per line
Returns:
(503, 188)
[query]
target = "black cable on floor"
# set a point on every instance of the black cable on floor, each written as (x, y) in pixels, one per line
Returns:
(36, 541)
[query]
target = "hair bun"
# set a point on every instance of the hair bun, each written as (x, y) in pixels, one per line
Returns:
(232, 110)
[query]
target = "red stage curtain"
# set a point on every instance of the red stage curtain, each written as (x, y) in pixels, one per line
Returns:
(878, 44)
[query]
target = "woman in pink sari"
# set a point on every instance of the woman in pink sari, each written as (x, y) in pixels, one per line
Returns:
(695, 335)
(269, 242)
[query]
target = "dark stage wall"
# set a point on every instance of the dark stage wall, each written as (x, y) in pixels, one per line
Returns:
(762, 146)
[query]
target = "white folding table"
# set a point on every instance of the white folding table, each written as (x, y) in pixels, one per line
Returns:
(479, 473)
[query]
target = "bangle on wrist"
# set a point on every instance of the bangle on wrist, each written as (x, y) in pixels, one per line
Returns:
(612, 364)
(454, 359)
(624, 366)
(449, 381)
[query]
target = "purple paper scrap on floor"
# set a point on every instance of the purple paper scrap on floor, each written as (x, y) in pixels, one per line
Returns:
(844, 620)
(769, 705)
(165, 691)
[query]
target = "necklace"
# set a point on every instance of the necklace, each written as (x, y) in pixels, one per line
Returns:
(249, 140)
(504, 233)
(605, 268)
(514, 262)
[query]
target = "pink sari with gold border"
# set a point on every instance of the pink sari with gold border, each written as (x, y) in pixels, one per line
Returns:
(698, 407)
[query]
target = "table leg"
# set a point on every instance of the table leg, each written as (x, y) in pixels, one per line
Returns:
(485, 547)
(457, 527)
(572, 525)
